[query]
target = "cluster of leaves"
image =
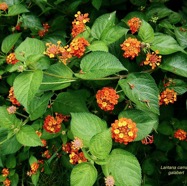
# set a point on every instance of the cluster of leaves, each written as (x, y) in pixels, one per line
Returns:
(45, 86)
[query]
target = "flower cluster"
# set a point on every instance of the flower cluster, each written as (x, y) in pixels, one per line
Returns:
(12, 97)
(78, 24)
(5, 172)
(53, 124)
(167, 96)
(11, 59)
(52, 49)
(109, 181)
(134, 24)
(45, 29)
(107, 98)
(34, 168)
(148, 140)
(180, 134)
(124, 130)
(152, 59)
(6, 182)
(131, 46)
(12, 109)
(3, 6)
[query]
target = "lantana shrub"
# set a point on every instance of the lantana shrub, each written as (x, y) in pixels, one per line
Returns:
(92, 92)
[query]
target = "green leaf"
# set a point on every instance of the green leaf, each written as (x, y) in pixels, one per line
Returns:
(102, 23)
(28, 137)
(97, 3)
(124, 167)
(146, 32)
(57, 77)
(181, 37)
(67, 102)
(30, 46)
(11, 161)
(165, 128)
(101, 144)
(83, 174)
(9, 42)
(142, 90)
(98, 46)
(14, 179)
(109, 36)
(38, 106)
(86, 125)
(7, 120)
(35, 178)
(165, 44)
(175, 63)
(16, 10)
(26, 86)
(32, 60)
(99, 64)
(145, 121)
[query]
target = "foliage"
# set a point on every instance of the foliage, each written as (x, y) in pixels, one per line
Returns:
(93, 98)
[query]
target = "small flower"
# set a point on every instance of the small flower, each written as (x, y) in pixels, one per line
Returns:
(52, 49)
(109, 181)
(180, 134)
(67, 147)
(34, 169)
(46, 154)
(45, 29)
(64, 55)
(77, 157)
(167, 96)
(12, 97)
(152, 59)
(124, 130)
(79, 23)
(77, 143)
(77, 47)
(7, 182)
(131, 46)
(11, 59)
(5, 172)
(147, 140)
(3, 6)
(107, 98)
(134, 24)
(12, 109)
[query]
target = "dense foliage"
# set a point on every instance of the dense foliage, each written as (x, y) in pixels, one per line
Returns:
(92, 92)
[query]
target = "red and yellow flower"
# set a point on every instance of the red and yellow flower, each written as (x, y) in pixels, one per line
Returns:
(180, 134)
(11, 59)
(5, 172)
(134, 24)
(167, 96)
(45, 29)
(148, 140)
(77, 157)
(7, 182)
(3, 6)
(12, 97)
(124, 130)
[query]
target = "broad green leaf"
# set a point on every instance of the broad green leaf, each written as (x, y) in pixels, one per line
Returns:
(102, 23)
(146, 32)
(11, 161)
(38, 106)
(109, 35)
(32, 160)
(175, 63)
(67, 102)
(35, 178)
(97, 3)
(174, 18)
(145, 121)
(57, 77)
(11, 146)
(101, 144)
(26, 86)
(14, 179)
(28, 137)
(124, 167)
(16, 10)
(7, 120)
(98, 46)
(83, 174)
(166, 24)
(30, 46)
(99, 64)
(9, 42)
(181, 36)
(165, 44)
(165, 128)
(142, 90)
(15, 67)
(86, 125)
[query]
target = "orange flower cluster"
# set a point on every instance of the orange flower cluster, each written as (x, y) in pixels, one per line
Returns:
(152, 59)
(46, 154)
(77, 157)
(45, 29)
(53, 124)
(148, 140)
(124, 130)
(44, 142)
(12, 97)
(134, 24)
(34, 168)
(5, 172)
(79, 23)
(3, 6)
(12, 109)
(11, 59)
(131, 46)
(180, 134)
(7, 182)
(52, 49)
(167, 96)
(107, 98)
(109, 181)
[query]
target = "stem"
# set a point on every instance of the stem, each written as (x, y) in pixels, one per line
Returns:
(21, 114)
